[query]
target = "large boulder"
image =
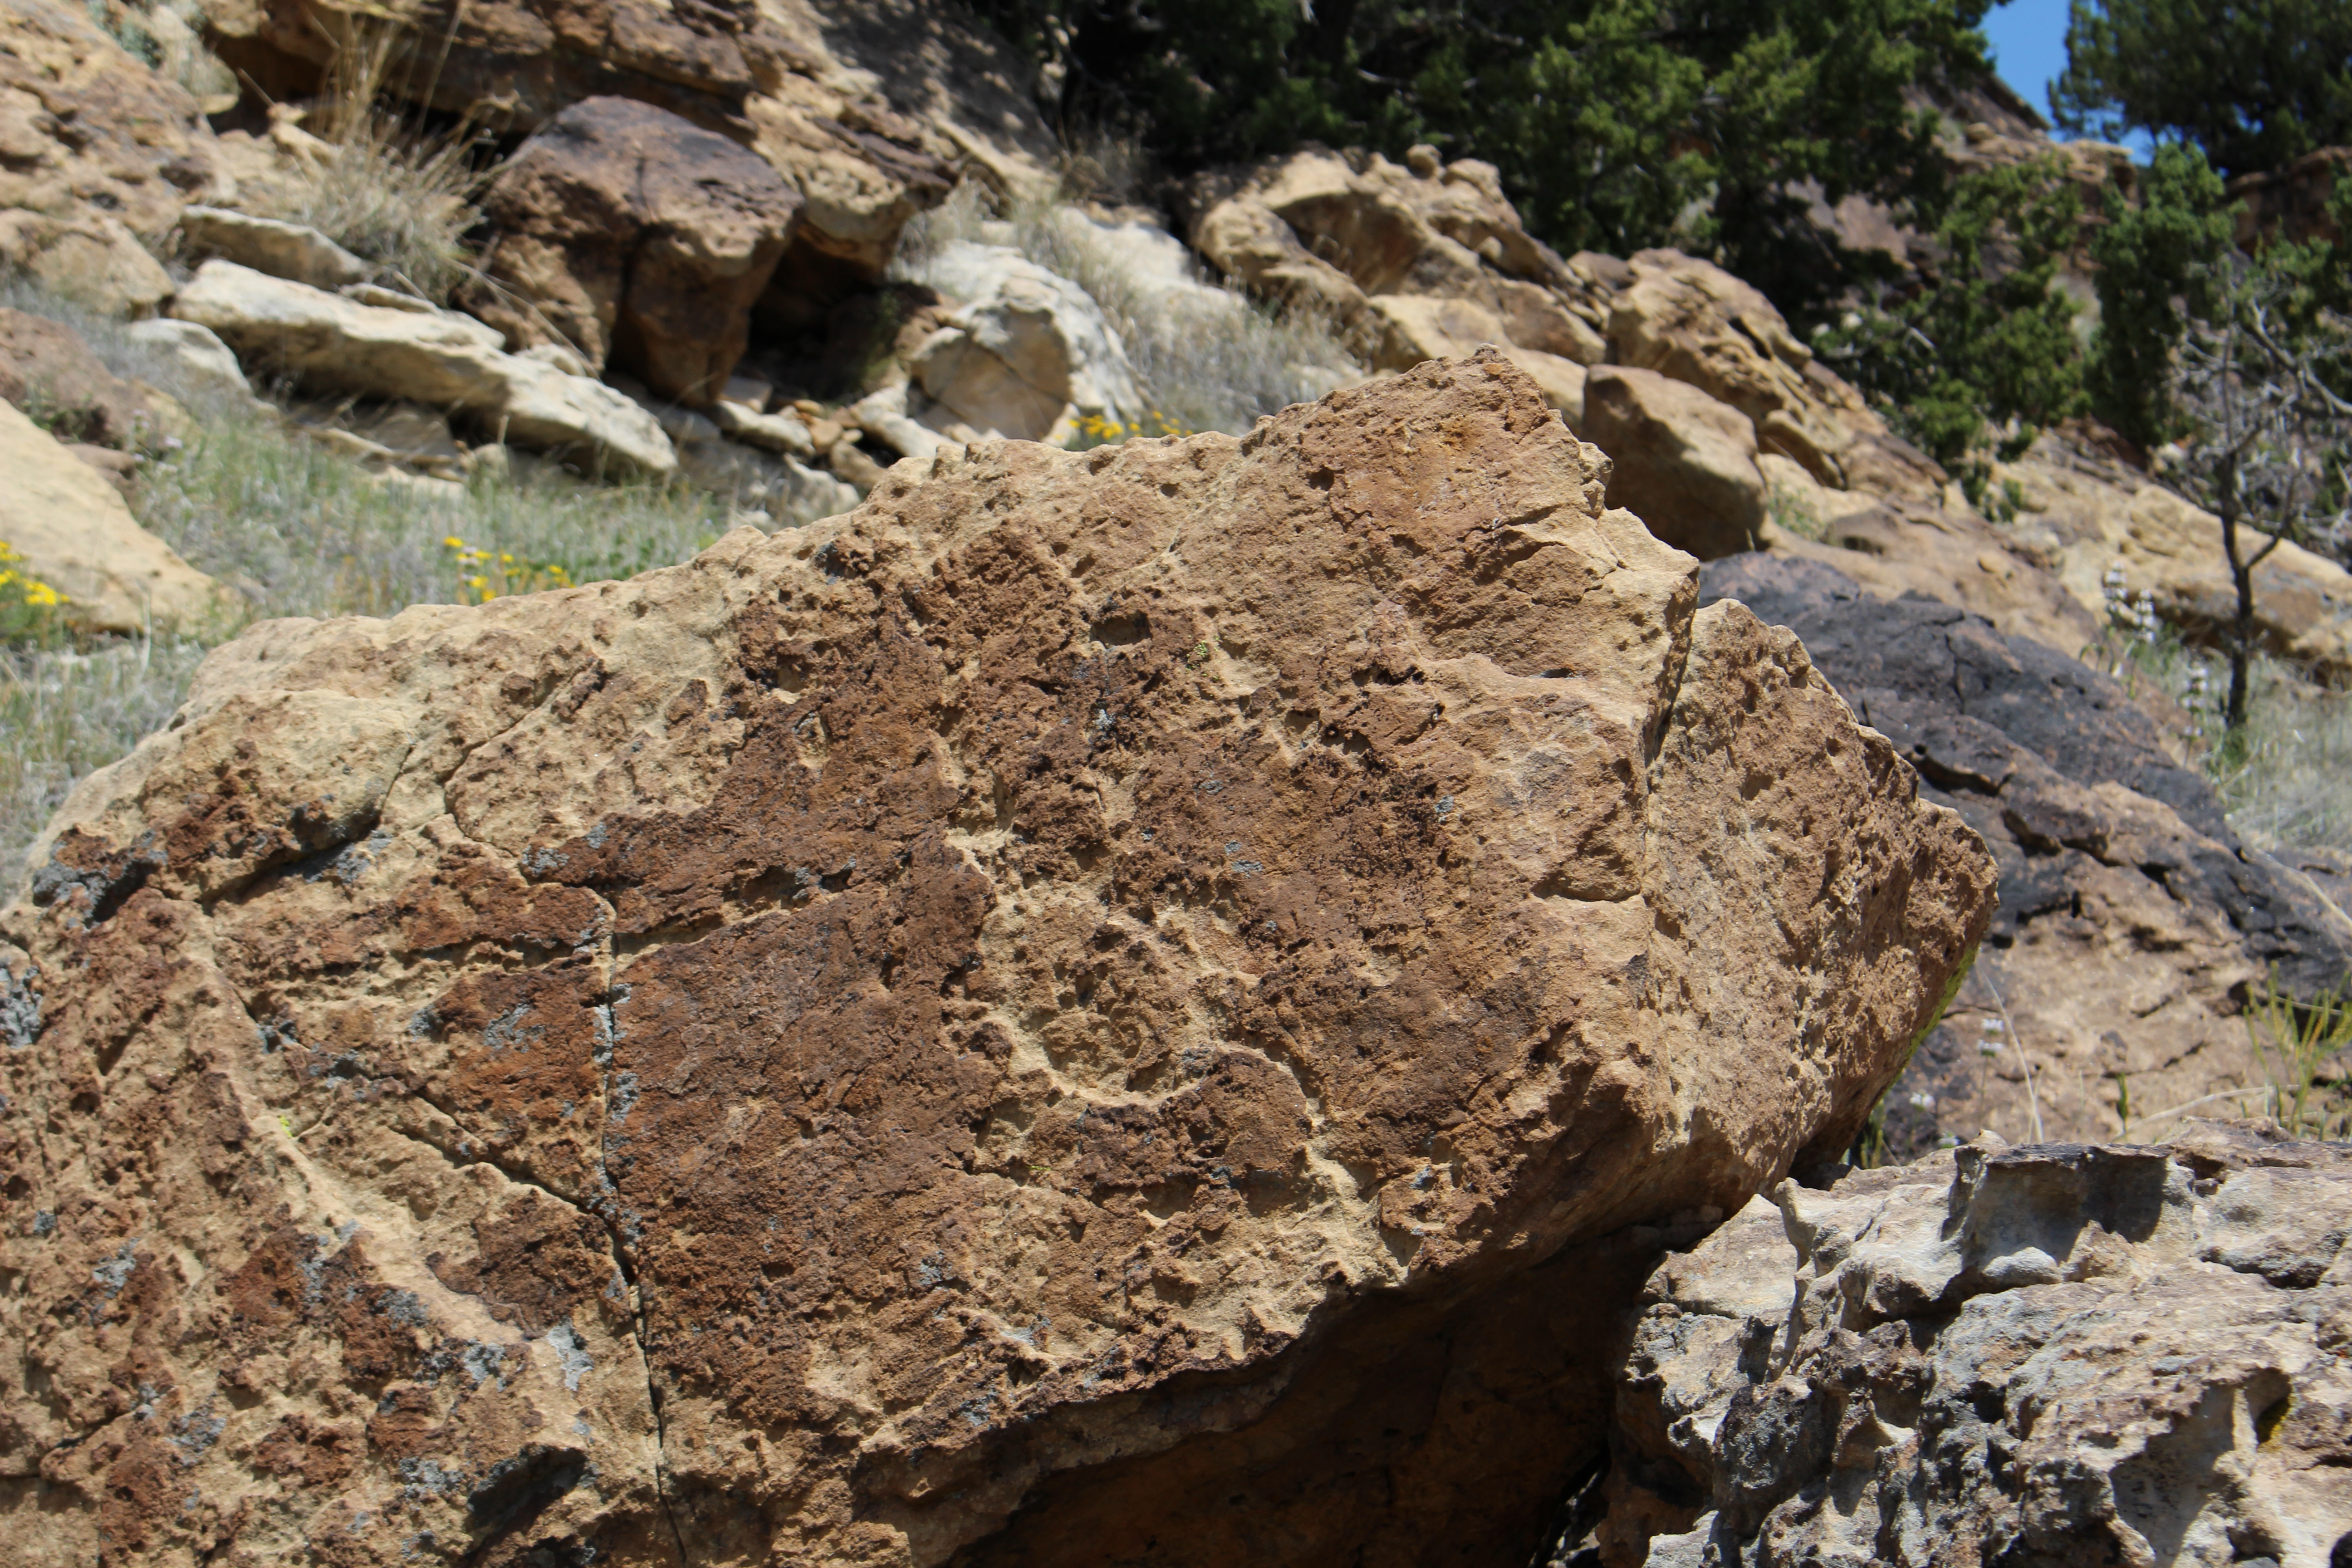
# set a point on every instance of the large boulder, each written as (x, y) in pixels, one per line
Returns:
(2133, 923)
(438, 358)
(779, 1060)
(2053, 1353)
(96, 156)
(636, 239)
(67, 528)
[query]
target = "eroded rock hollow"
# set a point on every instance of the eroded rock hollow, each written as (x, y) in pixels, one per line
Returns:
(887, 1040)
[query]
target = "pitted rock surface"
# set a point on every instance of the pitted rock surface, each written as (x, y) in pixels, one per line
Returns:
(2046, 1353)
(781, 1060)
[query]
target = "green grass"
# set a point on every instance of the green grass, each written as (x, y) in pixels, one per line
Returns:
(296, 531)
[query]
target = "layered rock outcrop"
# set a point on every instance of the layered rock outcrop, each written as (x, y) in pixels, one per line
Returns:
(1726, 432)
(870, 110)
(2045, 1353)
(408, 349)
(96, 156)
(781, 1059)
(2133, 921)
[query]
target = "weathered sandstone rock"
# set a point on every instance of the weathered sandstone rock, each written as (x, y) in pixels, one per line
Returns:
(1430, 260)
(1339, 233)
(2052, 1353)
(97, 154)
(290, 250)
(49, 374)
(868, 109)
(2132, 919)
(635, 239)
(87, 257)
(439, 358)
(2081, 509)
(201, 364)
(1681, 457)
(1027, 353)
(74, 533)
(781, 1059)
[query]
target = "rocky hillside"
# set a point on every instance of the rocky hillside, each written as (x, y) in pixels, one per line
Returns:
(1224, 820)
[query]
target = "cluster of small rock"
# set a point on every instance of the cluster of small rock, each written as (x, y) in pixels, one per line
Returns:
(2056, 1353)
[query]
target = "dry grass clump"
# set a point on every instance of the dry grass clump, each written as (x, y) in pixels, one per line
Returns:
(2288, 783)
(1209, 359)
(383, 187)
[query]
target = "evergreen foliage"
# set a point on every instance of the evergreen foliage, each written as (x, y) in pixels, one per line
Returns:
(2255, 83)
(1617, 124)
(1989, 339)
(2154, 262)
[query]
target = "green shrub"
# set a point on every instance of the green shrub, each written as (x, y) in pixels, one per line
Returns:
(1991, 340)
(1617, 124)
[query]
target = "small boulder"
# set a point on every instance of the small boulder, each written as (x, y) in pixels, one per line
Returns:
(1686, 464)
(47, 371)
(87, 257)
(204, 364)
(290, 250)
(439, 358)
(636, 239)
(1030, 352)
(72, 532)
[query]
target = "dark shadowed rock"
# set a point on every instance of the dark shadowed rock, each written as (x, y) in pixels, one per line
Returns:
(635, 239)
(2132, 920)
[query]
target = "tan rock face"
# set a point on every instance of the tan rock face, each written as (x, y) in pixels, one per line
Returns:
(636, 239)
(1028, 353)
(2057, 1353)
(441, 359)
(1349, 234)
(1430, 260)
(49, 374)
(869, 111)
(781, 1057)
(267, 244)
(2081, 510)
(97, 154)
(1681, 457)
(74, 533)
